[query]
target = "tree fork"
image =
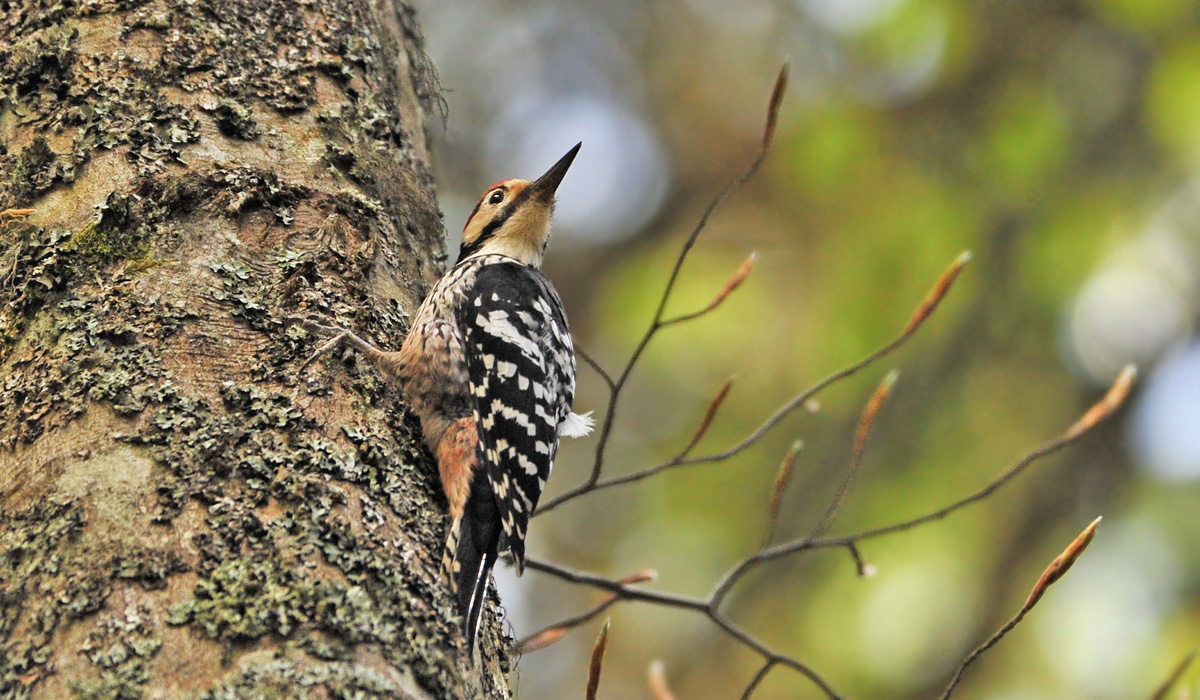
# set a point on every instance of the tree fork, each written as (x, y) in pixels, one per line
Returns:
(181, 515)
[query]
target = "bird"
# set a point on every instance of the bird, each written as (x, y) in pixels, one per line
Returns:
(488, 366)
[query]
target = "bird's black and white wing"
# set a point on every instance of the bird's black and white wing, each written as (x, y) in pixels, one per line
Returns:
(521, 366)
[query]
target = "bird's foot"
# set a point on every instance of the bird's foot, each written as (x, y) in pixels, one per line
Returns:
(340, 337)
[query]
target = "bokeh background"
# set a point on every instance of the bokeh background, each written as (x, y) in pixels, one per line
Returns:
(1058, 141)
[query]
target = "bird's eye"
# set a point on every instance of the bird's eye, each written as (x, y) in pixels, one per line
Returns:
(496, 197)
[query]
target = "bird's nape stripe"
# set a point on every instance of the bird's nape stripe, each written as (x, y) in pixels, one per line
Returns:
(489, 231)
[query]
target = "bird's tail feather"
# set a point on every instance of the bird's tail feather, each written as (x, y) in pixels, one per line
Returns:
(470, 556)
(476, 601)
(450, 556)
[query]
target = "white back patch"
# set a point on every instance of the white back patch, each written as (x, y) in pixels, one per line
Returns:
(576, 426)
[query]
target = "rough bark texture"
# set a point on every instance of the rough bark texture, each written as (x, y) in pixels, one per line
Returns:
(181, 515)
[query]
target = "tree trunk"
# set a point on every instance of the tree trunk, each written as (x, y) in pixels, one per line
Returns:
(181, 513)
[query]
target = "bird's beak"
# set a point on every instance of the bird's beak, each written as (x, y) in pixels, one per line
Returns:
(544, 187)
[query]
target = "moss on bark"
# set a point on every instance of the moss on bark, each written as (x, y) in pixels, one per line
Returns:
(180, 514)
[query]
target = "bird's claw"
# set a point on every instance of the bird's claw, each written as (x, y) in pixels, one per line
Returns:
(311, 324)
(339, 336)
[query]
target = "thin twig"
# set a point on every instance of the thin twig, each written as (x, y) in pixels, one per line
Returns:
(758, 678)
(866, 421)
(1057, 568)
(555, 632)
(594, 483)
(672, 600)
(749, 641)
(734, 282)
(711, 605)
(656, 324)
(595, 366)
(1110, 403)
(1173, 679)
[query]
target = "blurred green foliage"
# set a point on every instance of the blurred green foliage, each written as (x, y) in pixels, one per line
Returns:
(1042, 136)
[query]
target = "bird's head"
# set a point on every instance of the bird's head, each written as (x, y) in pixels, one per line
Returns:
(513, 217)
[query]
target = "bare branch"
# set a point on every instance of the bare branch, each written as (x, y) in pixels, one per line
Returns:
(769, 654)
(1061, 564)
(865, 422)
(551, 634)
(656, 324)
(711, 605)
(1107, 406)
(734, 282)
(773, 106)
(595, 366)
(623, 591)
(758, 678)
(594, 483)
(672, 600)
(1173, 679)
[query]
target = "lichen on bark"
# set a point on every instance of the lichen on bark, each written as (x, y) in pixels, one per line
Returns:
(180, 514)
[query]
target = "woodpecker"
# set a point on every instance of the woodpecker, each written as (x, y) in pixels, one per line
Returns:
(489, 368)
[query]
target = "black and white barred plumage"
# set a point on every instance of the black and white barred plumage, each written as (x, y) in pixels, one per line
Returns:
(521, 369)
(522, 377)
(489, 368)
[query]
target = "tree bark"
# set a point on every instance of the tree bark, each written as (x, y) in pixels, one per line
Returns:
(181, 514)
